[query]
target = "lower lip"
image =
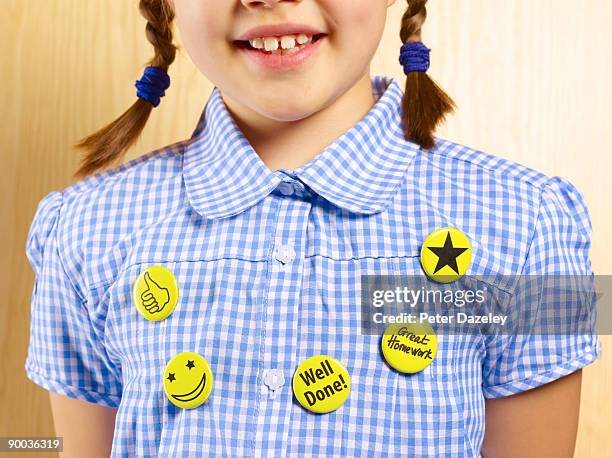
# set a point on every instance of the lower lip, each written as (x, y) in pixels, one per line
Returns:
(283, 62)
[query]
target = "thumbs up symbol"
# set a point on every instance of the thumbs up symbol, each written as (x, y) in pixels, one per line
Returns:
(155, 297)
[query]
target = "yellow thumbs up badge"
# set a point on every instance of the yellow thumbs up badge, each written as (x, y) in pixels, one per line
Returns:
(155, 293)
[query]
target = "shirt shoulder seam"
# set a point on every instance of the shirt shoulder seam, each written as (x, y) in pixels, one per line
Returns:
(538, 181)
(110, 176)
(60, 255)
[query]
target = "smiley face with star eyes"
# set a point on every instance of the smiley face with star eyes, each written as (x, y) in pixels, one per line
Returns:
(188, 380)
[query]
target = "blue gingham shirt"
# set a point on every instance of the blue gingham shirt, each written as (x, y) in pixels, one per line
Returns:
(268, 265)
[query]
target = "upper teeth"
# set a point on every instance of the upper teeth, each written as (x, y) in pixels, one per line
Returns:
(286, 42)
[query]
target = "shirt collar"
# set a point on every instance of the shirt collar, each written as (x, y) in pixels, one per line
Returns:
(360, 171)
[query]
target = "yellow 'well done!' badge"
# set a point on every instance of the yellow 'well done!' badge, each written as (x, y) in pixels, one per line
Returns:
(446, 254)
(321, 384)
(409, 347)
(155, 293)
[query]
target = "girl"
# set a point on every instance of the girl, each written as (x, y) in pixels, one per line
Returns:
(205, 299)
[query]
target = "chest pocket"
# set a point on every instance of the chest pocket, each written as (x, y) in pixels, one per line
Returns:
(392, 409)
(218, 315)
(404, 411)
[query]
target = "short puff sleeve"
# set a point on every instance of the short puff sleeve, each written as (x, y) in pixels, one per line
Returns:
(556, 287)
(65, 355)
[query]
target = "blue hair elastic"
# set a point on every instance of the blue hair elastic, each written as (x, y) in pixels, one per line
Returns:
(414, 57)
(153, 84)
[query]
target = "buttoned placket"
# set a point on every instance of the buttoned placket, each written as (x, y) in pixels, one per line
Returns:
(281, 312)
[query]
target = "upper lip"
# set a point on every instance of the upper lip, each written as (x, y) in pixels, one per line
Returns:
(278, 30)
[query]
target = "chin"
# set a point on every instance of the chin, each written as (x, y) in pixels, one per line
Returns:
(287, 108)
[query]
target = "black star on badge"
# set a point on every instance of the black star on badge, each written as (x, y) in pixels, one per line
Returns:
(447, 254)
(171, 377)
(190, 364)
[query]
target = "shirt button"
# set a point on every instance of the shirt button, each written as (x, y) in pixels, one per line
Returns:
(274, 379)
(284, 253)
(285, 188)
(299, 189)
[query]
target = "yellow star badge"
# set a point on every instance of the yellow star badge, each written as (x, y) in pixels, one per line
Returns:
(446, 254)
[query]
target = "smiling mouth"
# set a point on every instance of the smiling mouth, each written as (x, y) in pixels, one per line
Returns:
(192, 394)
(248, 45)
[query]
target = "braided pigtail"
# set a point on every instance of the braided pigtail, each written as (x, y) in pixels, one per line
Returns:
(109, 145)
(424, 104)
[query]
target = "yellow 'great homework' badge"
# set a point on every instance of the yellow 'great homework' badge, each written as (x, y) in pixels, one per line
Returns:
(446, 254)
(321, 384)
(155, 293)
(409, 347)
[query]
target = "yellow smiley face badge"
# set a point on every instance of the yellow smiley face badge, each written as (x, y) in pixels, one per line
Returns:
(446, 255)
(188, 380)
(155, 293)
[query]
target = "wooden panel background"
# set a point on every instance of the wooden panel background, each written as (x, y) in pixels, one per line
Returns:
(531, 79)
